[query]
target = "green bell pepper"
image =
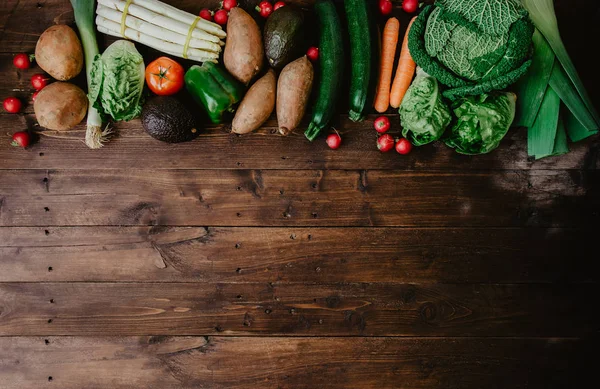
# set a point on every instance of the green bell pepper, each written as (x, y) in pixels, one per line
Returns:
(214, 89)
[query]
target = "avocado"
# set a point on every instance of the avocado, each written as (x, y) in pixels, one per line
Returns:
(165, 118)
(284, 36)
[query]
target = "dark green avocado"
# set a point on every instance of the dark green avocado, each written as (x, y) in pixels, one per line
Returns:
(284, 36)
(165, 118)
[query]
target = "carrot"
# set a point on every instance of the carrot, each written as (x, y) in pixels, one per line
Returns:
(404, 72)
(386, 67)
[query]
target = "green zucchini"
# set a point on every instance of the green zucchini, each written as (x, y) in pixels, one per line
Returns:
(359, 29)
(331, 67)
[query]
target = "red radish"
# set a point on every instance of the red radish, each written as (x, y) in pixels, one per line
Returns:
(221, 17)
(313, 53)
(265, 8)
(382, 124)
(12, 105)
(385, 143)
(385, 7)
(403, 146)
(21, 139)
(206, 14)
(278, 5)
(22, 61)
(229, 4)
(334, 141)
(410, 6)
(38, 81)
(33, 97)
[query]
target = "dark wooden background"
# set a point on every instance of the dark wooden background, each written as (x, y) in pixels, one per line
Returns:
(268, 262)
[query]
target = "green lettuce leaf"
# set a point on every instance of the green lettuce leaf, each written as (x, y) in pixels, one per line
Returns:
(117, 81)
(482, 122)
(423, 114)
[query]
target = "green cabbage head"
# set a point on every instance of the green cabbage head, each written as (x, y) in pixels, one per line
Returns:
(481, 122)
(118, 81)
(473, 46)
(423, 114)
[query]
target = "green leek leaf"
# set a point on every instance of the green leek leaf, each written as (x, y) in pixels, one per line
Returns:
(541, 136)
(575, 129)
(530, 89)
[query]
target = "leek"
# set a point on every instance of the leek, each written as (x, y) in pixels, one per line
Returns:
(531, 88)
(544, 17)
(575, 129)
(84, 18)
(560, 143)
(542, 135)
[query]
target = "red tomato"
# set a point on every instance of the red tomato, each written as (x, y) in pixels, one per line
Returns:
(382, 124)
(229, 4)
(313, 53)
(403, 146)
(385, 143)
(334, 141)
(221, 17)
(206, 14)
(39, 81)
(21, 139)
(12, 105)
(265, 8)
(385, 7)
(410, 6)
(164, 76)
(278, 5)
(22, 61)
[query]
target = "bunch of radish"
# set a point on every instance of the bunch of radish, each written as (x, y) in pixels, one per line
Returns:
(221, 15)
(386, 142)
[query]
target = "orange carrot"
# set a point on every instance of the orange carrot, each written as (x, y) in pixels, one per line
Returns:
(388, 53)
(404, 72)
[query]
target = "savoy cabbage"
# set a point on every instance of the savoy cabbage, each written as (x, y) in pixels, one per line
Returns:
(473, 47)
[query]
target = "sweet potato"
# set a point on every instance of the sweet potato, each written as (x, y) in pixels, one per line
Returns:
(59, 53)
(60, 106)
(257, 105)
(244, 55)
(293, 91)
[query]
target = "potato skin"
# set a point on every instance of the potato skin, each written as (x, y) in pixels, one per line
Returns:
(257, 105)
(293, 90)
(244, 54)
(59, 53)
(60, 106)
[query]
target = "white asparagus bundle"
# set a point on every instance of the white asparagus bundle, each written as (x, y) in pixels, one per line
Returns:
(156, 31)
(109, 27)
(165, 21)
(182, 16)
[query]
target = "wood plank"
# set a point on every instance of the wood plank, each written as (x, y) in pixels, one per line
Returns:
(297, 309)
(216, 148)
(298, 198)
(223, 362)
(322, 255)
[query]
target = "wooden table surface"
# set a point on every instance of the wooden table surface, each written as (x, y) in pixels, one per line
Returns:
(269, 262)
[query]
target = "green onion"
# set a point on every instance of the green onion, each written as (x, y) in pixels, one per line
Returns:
(543, 16)
(531, 88)
(84, 18)
(541, 136)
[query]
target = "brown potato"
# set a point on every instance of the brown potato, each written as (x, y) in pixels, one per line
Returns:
(60, 106)
(244, 55)
(257, 105)
(293, 91)
(59, 53)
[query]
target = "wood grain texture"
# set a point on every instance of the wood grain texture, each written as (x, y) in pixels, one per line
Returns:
(218, 362)
(298, 198)
(321, 255)
(268, 309)
(216, 148)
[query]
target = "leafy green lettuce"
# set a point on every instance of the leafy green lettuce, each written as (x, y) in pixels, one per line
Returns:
(423, 114)
(482, 122)
(474, 46)
(117, 81)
